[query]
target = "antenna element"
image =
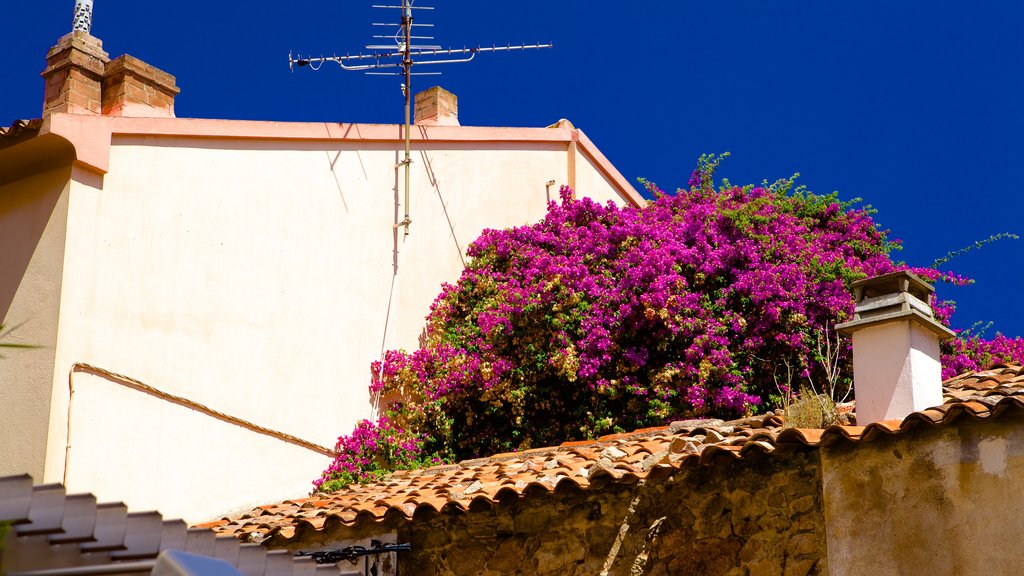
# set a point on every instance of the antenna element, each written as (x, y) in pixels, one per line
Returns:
(404, 54)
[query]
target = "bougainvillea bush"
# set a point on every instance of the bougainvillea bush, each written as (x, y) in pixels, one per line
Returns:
(601, 318)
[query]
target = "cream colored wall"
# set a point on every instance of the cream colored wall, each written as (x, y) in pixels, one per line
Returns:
(934, 504)
(593, 183)
(157, 455)
(32, 225)
(257, 278)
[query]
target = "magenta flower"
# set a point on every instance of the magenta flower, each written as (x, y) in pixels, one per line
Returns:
(601, 319)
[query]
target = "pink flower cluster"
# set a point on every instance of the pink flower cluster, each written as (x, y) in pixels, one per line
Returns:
(601, 319)
(960, 355)
(371, 450)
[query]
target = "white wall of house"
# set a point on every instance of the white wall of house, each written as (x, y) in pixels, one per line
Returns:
(258, 277)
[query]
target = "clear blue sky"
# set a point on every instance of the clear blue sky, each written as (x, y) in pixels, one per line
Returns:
(915, 106)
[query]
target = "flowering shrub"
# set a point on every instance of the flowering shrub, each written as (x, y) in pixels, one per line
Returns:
(371, 450)
(600, 319)
(961, 355)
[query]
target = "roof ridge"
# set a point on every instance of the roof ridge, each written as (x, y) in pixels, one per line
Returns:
(584, 465)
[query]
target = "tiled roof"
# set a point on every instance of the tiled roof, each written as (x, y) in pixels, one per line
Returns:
(619, 458)
(107, 533)
(19, 128)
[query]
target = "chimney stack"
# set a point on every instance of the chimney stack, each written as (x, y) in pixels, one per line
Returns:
(133, 88)
(73, 75)
(437, 107)
(80, 78)
(896, 368)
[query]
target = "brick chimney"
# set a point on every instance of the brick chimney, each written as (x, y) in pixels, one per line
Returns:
(133, 88)
(80, 78)
(74, 74)
(896, 369)
(437, 106)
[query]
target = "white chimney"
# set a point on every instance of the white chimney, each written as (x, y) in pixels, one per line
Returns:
(896, 368)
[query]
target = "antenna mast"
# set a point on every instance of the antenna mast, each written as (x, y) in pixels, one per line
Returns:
(404, 54)
(407, 91)
(82, 21)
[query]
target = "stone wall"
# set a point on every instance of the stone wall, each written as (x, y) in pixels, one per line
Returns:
(937, 502)
(746, 518)
(743, 518)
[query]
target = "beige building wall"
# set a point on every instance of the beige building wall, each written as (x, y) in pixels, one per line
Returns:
(33, 212)
(131, 446)
(259, 278)
(928, 504)
(591, 182)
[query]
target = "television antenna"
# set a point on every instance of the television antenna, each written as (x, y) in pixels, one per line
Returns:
(406, 51)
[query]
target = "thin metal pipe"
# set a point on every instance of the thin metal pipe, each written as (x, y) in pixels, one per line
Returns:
(453, 61)
(67, 441)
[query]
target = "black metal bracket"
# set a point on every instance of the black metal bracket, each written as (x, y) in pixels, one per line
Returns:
(354, 553)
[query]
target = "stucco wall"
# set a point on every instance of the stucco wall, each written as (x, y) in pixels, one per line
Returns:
(261, 278)
(743, 519)
(164, 456)
(942, 502)
(33, 214)
(594, 184)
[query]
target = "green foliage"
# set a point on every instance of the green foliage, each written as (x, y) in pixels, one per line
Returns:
(5, 333)
(810, 410)
(5, 528)
(953, 254)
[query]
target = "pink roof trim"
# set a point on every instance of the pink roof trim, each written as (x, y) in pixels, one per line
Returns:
(91, 136)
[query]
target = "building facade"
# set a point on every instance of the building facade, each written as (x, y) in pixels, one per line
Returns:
(206, 296)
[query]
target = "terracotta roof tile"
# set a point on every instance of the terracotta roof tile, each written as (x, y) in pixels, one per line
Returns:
(618, 458)
(19, 130)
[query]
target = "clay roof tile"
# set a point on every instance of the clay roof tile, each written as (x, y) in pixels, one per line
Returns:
(650, 453)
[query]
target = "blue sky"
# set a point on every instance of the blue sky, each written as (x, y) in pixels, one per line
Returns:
(914, 106)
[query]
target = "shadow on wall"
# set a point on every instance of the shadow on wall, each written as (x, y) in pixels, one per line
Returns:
(26, 209)
(332, 162)
(444, 206)
(33, 228)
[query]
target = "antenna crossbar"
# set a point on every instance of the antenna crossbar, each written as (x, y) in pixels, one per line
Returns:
(481, 49)
(342, 60)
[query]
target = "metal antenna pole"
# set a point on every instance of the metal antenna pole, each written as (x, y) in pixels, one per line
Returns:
(403, 54)
(82, 21)
(407, 67)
